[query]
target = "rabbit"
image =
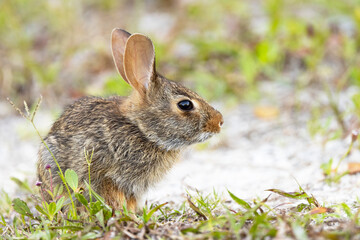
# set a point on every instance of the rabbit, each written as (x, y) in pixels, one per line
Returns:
(136, 139)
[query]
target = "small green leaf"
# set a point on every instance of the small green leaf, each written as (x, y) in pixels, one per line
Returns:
(312, 201)
(22, 208)
(239, 201)
(195, 208)
(81, 199)
(52, 209)
(293, 195)
(42, 211)
(71, 228)
(100, 218)
(107, 214)
(50, 193)
(3, 221)
(303, 206)
(91, 235)
(59, 204)
(72, 179)
(327, 167)
(190, 230)
(347, 210)
(98, 197)
(152, 211)
(95, 207)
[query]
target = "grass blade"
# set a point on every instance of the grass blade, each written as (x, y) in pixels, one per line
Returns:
(239, 201)
(195, 208)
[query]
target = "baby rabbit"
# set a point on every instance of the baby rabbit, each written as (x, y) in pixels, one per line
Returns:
(136, 139)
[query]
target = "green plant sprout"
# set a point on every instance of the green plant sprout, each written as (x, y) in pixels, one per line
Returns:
(332, 175)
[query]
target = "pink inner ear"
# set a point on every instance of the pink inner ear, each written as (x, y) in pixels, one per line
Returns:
(118, 43)
(139, 61)
(146, 58)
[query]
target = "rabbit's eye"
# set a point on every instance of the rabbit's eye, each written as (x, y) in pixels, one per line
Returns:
(185, 105)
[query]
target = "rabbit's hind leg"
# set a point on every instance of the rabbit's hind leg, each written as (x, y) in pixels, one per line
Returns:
(115, 197)
(131, 204)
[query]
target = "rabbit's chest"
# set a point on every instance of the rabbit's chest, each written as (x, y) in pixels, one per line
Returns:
(134, 162)
(150, 172)
(138, 169)
(149, 167)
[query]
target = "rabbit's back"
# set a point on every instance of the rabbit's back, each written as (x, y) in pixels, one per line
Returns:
(122, 154)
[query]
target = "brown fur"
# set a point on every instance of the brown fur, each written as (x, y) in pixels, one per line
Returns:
(137, 139)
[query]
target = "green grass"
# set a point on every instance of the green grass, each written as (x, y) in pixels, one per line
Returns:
(210, 216)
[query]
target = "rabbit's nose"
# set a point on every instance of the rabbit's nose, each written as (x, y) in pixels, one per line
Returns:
(215, 123)
(221, 122)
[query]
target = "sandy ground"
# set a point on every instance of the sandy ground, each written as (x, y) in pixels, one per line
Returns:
(250, 155)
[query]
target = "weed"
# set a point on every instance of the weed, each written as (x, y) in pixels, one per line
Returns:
(30, 117)
(332, 175)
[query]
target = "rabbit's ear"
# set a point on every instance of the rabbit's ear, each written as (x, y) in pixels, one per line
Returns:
(118, 43)
(139, 62)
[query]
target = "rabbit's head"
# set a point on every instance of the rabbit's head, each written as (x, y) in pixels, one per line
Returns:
(167, 113)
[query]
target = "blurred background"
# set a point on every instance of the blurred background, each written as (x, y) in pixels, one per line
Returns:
(297, 57)
(222, 49)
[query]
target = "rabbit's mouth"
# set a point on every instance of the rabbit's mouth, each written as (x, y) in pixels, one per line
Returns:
(176, 143)
(204, 136)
